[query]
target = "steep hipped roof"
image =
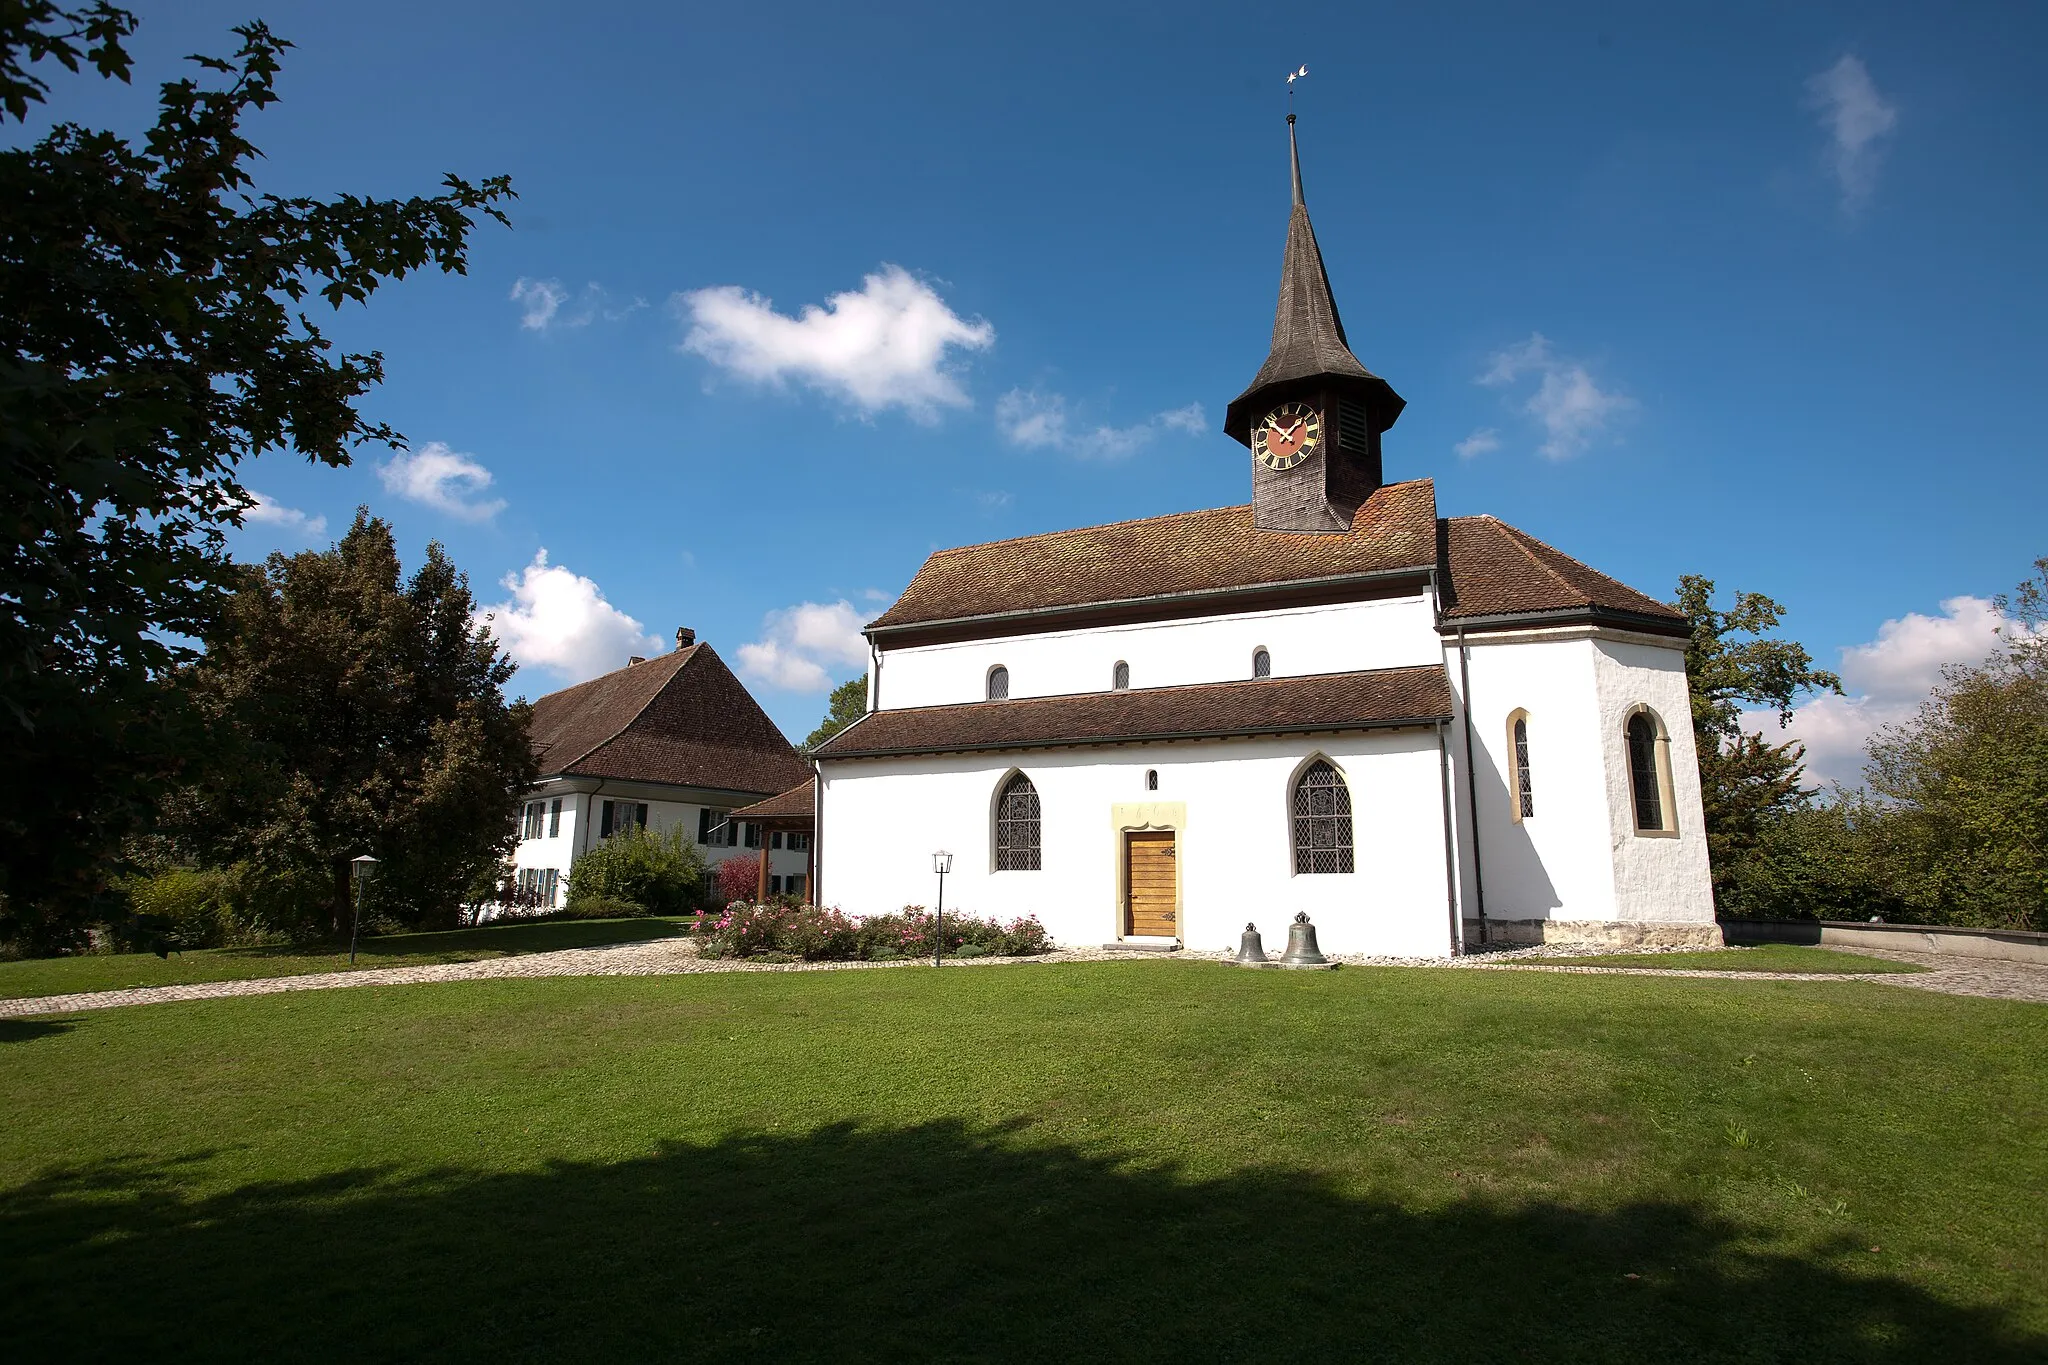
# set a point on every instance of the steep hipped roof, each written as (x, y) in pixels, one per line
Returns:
(1308, 334)
(681, 719)
(1188, 552)
(1492, 570)
(1267, 706)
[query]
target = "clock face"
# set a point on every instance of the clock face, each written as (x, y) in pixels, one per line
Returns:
(1288, 435)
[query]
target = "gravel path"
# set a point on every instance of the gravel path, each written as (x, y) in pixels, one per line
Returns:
(678, 956)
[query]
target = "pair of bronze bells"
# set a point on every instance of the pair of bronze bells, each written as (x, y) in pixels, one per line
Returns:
(1302, 949)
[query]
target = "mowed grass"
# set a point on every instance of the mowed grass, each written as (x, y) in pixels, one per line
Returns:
(120, 971)
(1767, 957)
(1142, 1160)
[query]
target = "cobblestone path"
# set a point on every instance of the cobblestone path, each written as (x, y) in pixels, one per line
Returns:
(676, 956)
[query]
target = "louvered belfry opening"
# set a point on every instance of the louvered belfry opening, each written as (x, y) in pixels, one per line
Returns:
(1322, 821)
(1017, 826)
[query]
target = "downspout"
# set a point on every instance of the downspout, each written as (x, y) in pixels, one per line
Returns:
(1443, 762)
(817, 828)
(1471, 783)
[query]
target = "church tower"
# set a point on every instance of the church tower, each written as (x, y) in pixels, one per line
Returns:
(1313, 415)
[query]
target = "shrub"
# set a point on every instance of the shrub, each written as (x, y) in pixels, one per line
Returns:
(662, 873)
(185, 907)
(748, 929)
(738, 879)
(604, 907)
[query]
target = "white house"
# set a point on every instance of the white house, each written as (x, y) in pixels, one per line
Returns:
(672, 740)
(1425, 732)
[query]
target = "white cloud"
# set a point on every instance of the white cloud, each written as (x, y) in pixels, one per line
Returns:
(799, 646)
(539, 301)
(444, 479)
(1855, 117)
(1886, 680)
(542, 304)
(887, 345)
(1571, 407)
(1039, 420)
(559, 621)
(263, 511)
(1484, 441)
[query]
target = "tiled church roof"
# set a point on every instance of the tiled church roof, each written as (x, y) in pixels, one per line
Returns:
(1486, 568)
(1187, 552)
(1267, 706)
(679, 718)
(1492, 569)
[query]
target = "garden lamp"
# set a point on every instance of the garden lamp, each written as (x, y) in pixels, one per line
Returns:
(942, 863)
(360, 870)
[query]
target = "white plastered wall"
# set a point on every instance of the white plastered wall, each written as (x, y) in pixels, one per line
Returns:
(1338, 638)
(1579, 857)
(883, 818)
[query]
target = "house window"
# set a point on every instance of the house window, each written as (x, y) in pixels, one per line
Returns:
(1649, 773)
(775, 839)
(800, 840)
(1262, 663)
(774, 885)
(1017, 826)
(750, 834)
(715, 829)
(617, 816)
(536, 886)
(1151, 779)
(555, 818)
(998, 683)
(793, 884)
(1519, 781)
(531, 829)
(1120, 676)
(1322, 820)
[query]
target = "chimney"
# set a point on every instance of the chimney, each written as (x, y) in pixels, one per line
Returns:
(632, 659)
(685, 637)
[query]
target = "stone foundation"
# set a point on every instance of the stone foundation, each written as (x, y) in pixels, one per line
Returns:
(1604, 933)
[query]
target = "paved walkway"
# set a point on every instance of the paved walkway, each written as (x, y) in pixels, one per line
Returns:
(677, 956)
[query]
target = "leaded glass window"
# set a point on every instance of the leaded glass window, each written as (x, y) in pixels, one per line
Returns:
(1120, 676)
(1322, 820)
(1262, 664)
(1642, 772)
(1525, 791)
(1017, 826)
(998, 683)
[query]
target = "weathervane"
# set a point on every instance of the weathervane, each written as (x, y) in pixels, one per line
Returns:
(1292, 77)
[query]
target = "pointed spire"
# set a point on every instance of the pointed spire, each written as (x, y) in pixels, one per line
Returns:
(1308, 333)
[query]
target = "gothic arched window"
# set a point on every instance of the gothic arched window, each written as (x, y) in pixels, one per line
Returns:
(1322, 820)
(998, 683)
(1262, 663)
(1649, 773)
(1521, 785)
(1120, 676)
(1017, 826)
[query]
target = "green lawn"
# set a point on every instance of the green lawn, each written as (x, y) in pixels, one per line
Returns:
(118, 971)
(1767, 957)
(1148, 1160)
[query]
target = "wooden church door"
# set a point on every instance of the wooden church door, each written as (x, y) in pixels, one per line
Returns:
(1152, 883)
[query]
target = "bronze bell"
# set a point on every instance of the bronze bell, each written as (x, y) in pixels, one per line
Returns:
(1301, 945)
(1251, 949)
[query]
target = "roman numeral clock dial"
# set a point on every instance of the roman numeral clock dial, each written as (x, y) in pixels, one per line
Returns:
(1288, 435)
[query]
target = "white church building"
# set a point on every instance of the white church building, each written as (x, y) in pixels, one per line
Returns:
(1426, 732)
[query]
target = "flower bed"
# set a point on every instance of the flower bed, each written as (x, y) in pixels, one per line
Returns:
(823, 934)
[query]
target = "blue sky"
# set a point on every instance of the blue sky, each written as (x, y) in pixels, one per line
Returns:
(1745, 292)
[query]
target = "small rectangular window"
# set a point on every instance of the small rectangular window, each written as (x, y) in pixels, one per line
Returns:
(531, 829)
(794, 883)
(774, 885)
(555, 818)
(750, 833)
(800, 841)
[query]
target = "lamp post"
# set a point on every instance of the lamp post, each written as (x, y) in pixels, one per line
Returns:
(942, 863)
(360, 870)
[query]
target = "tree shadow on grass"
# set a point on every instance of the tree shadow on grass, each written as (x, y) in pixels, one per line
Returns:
(939, 1241)
(22, 1030)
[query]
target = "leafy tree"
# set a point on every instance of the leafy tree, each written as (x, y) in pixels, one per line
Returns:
(358, 713)
(849, 703)
(153, 335)
(1966, 782)
(1732, 664)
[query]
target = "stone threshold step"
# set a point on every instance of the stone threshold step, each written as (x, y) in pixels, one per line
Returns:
(1141, 947)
